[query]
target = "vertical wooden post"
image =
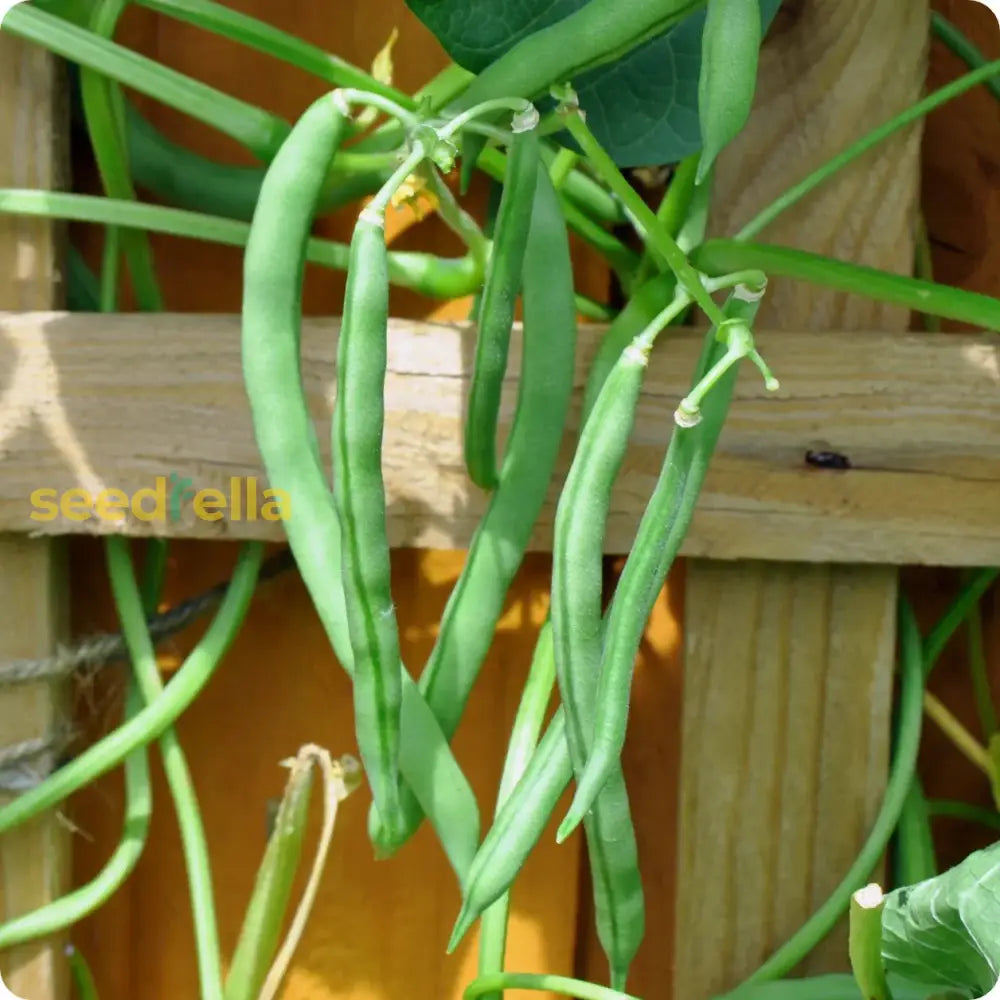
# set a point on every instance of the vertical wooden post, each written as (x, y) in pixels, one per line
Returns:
(788, 667)
(33, 858)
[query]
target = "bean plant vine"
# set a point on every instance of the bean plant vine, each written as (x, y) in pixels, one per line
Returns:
(518, 112)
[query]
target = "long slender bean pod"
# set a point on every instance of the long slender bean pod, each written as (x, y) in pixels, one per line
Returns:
(730, 45)
(498, 546)
(186, 179)
(359, 493)
(599, 32)
(496, 315)
(285, 436)
(661, 531)
(523, 741)
(577, 585)
(517, 827)
(543, 402)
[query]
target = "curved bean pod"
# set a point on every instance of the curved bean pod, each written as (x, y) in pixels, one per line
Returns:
(599, 32)
(283, 428)
(496, 310)
(502, 537)
(498, 546)
(517, 828)
(730, 47)
(524, 736)
(577, 584)
(359, 493)
(662, 529)
(188, 180)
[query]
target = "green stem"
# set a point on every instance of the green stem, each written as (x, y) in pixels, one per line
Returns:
(83, 288)
(460, 222)
(84, 900)
(249, 31)
(154, 719)
(83, 978)
(980, 674)
(348, 96)
(585, 192)
(516, 105)
(965, 811)
(104, 110)
(525, 732)
(957, 42)
(957, 613)
(425, 273)
(673, 210)
(655, 234)
(903, 769)
(723, 256)
(260, 132)
(822, 174)
(562, 166)
(622, 260)
(378, 204)
(499, 981)
(110, 271)
(129, 604)
(592, 309)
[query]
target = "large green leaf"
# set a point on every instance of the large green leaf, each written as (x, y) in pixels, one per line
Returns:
(643, 108)
(945, 932)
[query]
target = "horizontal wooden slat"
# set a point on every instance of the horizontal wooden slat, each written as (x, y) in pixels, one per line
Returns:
(96, 403)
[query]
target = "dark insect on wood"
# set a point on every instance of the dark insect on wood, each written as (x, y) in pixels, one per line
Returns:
(827, 460)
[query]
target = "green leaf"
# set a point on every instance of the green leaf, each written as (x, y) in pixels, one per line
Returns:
(943, 932)
(642, 108)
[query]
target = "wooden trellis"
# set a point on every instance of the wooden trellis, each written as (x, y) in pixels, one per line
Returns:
(789, 627)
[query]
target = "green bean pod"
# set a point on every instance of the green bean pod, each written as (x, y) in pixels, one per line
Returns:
(517, 828)
(188, 180)
(502, 537)
(498, 546)
(524, 736)
(283, 427)
(359, 493)
(496, 312)
(730, 47)
(662, 529)
(577, 585)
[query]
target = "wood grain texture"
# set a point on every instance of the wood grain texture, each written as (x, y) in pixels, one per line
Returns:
(34, 858)
(918, 415)
(766, 831)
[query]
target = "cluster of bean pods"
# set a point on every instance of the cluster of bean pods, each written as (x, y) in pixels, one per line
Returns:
(404, 726)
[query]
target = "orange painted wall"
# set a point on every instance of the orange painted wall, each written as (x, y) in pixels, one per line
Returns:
(379, 929)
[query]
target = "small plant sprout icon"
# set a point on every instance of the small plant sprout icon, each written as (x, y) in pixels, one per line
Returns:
(993, 6)
(6, 6)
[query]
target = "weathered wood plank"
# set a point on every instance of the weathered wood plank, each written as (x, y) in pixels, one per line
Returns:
(34, 859)
(115, 402)
(787, 668)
